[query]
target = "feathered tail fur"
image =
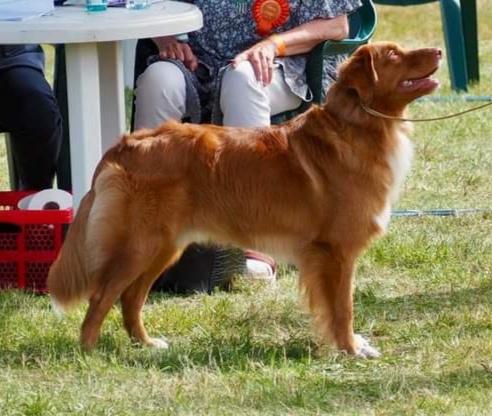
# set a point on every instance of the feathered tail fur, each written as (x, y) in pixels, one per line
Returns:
(68, 280)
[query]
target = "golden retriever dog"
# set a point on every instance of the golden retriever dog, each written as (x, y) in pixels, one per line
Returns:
(313, 192)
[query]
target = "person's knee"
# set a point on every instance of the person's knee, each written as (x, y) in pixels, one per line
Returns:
(241, 77)
(34, 111)
(40, 116)
(160, 95)
(241, 82)
(161, 81)
(243, 100)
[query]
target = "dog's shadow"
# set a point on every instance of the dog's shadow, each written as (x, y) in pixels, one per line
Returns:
(227, 349)
(423, 302)
(226, 352)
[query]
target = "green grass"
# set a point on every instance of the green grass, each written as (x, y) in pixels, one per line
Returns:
(424, 297)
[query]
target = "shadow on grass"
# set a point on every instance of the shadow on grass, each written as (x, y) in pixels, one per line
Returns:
(428, 302)
(373, 388)
(240, 345)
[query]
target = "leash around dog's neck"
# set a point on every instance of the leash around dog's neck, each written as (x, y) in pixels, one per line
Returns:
(388, 117)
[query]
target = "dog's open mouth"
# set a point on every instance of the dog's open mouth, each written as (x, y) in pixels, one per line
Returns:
(426, 83)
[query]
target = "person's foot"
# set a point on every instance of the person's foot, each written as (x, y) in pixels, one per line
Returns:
(260, 266)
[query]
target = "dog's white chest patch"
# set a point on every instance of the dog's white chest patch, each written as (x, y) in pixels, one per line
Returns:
(399, 162)
(383, 218)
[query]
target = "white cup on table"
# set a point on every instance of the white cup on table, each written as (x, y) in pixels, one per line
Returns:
(137, 4)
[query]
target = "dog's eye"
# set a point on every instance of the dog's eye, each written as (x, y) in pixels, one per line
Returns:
(393, 55)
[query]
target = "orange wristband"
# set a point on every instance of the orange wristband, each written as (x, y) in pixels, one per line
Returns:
(279, 43)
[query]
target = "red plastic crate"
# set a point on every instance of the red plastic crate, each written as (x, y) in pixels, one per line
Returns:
(29, 242)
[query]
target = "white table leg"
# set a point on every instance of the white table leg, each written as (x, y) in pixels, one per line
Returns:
(84, 115)
(113, 118)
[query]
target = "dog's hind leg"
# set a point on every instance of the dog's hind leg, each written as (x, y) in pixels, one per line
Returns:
(134, 297)
(326, 276)
(112, 279)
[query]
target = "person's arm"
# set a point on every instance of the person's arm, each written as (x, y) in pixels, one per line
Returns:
(305, 37)
(300, 39)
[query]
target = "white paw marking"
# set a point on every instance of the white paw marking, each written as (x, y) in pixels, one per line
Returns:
(159, 343)
(57, 308)
(364, 349)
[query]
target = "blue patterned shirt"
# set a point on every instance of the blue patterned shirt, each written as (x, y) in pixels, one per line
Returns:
(229, 28)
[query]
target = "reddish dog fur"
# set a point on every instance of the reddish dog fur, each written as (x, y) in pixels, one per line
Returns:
(313, 191)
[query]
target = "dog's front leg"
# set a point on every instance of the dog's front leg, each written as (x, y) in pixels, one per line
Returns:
(326, 275)
(132, 301)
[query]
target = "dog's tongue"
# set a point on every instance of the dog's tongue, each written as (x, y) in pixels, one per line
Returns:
(422, 83)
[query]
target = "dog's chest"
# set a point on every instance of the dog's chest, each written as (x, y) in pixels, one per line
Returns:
(399, 162)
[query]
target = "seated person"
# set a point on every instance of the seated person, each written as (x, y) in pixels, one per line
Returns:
(245, 65)
(29, 111)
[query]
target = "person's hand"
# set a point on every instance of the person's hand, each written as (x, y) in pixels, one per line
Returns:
(261, 57)
(171, 48)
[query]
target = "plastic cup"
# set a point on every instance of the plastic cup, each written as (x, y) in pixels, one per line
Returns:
(96, 5)
(137, 4)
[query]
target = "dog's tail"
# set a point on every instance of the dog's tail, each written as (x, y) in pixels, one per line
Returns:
(91, 239)
(68, 278)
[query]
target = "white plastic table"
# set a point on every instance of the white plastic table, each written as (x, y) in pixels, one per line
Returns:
(96, 101)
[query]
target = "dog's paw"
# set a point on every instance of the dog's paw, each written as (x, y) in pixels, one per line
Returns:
(364, 349)
(159, 343)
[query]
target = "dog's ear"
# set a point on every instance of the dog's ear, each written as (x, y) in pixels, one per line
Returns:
(359, 74)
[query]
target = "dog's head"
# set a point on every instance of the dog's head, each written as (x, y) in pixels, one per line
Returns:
(389, 77)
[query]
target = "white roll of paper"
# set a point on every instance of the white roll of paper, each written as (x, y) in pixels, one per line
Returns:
(24, 202)
(47, 199)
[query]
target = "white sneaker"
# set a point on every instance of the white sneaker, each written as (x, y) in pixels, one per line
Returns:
(260, 266)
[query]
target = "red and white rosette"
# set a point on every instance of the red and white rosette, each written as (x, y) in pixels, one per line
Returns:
(269, 14)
